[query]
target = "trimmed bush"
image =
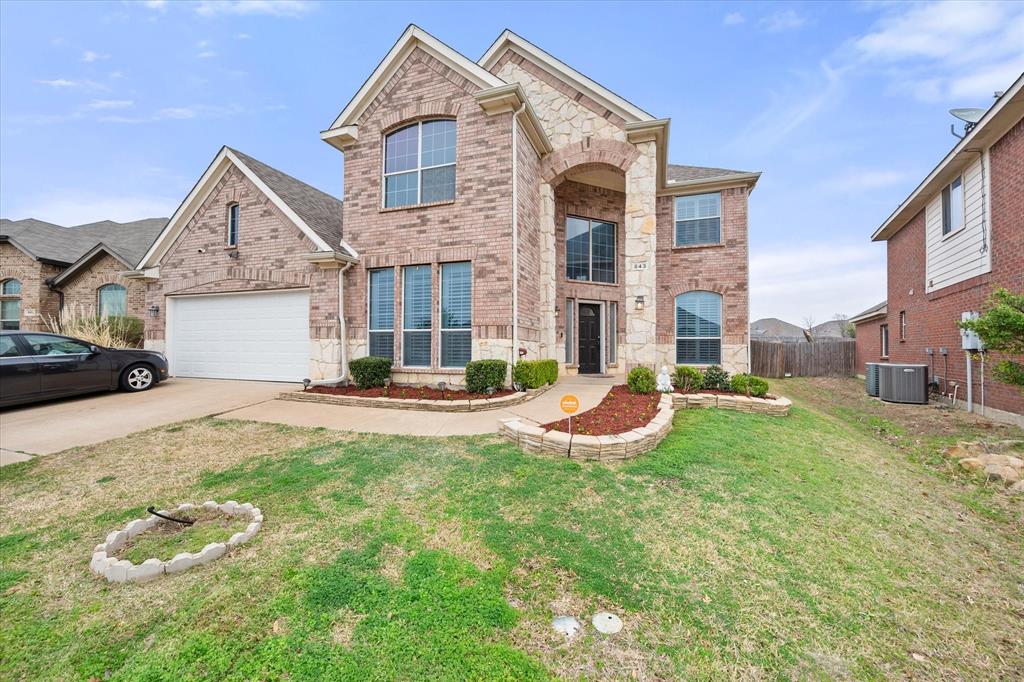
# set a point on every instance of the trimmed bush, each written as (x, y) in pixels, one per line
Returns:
(534, 373)
(641, 380)
(749, 385)
(716, 379)
(484, 374)
(370, 372)
(131, 329)
(688, 379)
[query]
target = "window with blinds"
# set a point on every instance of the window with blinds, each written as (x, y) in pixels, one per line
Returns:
(699, 328)
(416, 316)
(698, 219)
(382, 313)
(456, 314)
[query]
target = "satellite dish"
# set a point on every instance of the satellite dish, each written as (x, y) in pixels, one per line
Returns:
(968, 115)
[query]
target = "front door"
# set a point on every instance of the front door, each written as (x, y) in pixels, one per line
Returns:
(590, 338)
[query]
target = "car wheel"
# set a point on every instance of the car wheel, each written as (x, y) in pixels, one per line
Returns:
(137, 378)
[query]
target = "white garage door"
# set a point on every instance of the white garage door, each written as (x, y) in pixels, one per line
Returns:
(262, 336)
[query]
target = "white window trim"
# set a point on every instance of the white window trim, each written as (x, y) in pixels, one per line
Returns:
(613, 332)
(590, 255)
(440, 314)
(369, 302)
(570, 330)
(883, 330)
(99, 297)
(238, 224)
(676, 219)
(419, 159)
(963, 207)
(430, 331)
(721, 325)
(903, 325)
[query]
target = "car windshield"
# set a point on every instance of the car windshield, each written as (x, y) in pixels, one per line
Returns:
(43, 344)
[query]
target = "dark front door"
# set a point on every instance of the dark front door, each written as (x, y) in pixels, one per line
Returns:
(590, 338)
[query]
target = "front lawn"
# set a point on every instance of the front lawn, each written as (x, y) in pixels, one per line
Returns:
(828, 544)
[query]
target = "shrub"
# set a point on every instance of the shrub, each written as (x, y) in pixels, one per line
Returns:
(749, 385)
(534, 373)
(122, 331)
(688, 379)
(715, 379)
(131, 329)
(641, 380)
(370, 372)
(484, 374)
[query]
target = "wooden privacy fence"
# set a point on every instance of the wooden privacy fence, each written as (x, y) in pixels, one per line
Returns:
(777, 359)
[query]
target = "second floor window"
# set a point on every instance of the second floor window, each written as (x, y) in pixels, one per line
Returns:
(419, 164)
(233, 216)
(589, 250)
(698, 219)
(953, 206)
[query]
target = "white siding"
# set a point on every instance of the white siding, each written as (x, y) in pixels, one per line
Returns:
(966, 253)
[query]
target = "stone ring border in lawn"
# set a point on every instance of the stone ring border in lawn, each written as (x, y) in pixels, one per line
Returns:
(533, 439)
(477, 405)
(776, 407)
(105, 564)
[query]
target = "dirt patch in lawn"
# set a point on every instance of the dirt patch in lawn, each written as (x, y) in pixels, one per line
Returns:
(407, 392)
(618, 412)
(167, 538)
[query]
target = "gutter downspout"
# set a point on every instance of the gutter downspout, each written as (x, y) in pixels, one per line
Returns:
(342, 332)
(515, 235)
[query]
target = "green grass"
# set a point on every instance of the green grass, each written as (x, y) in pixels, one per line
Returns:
(825, 545)
(168, 538)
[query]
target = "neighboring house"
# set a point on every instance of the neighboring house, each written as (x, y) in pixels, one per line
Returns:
(958, 236)
(45, 266)
(493, 209)
(872, 327)
(774, 329)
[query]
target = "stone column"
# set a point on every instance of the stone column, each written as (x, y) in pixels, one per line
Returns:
(548, 337)
(641, 236)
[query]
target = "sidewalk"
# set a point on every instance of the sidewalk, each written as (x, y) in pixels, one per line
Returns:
(543, 409)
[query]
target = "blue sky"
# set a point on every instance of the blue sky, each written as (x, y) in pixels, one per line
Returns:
(113, 110)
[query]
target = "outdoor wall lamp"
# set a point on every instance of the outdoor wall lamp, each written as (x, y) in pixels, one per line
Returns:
(639, 302)
(154, 311)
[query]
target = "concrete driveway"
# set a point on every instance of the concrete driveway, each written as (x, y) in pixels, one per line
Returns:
(50, 427)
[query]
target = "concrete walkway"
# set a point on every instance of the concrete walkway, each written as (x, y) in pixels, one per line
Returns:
(589, 390)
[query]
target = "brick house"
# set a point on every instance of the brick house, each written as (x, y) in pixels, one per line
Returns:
(495, 208)
(46, 268)
(958, 236)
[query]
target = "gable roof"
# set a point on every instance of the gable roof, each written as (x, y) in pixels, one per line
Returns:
(627, 110)
(87, 259)
(66, 245)
(678, 173)
(774, 328)
(315, 213)
(875, 311)
(1000, 117)
(411, 38)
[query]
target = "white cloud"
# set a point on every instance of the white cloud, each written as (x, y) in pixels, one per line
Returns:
(733, 18)
(110, 104)
(59, 83)
(206, 54)
(159, 5)
(74, 207)
(68, 84)
(866, 179)
(277, 8)
(783, 20)
(816, 280)
(243, 36)
(89, 56)
(184, 113)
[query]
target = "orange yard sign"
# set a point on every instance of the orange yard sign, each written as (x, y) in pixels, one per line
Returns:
(569, 403)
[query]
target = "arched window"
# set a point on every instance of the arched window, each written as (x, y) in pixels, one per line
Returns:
(113, 300)
(419, 164)
(10, 304)
(699, 328)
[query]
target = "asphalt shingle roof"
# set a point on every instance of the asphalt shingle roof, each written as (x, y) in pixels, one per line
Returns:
(319, 210)
(678, 173)
(67, 244)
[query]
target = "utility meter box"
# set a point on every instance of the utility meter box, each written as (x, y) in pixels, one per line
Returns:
(969, 340)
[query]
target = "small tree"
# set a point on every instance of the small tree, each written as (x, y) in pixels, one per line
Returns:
(1001, 328)
(846, 328)
(809, 328)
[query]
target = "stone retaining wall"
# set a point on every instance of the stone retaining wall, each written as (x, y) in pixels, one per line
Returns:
(106, 564)
(475, 405)
(533, 439)
(776, 407)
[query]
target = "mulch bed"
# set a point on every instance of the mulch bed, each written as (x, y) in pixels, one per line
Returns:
(407, 392)
(618, 412)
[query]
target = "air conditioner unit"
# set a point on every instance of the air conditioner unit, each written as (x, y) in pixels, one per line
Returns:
(871, 378)
(898, 383)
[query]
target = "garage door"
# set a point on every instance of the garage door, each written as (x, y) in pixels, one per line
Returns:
(262, 336)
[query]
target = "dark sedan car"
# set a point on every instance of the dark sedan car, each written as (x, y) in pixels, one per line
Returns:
(40, 366)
